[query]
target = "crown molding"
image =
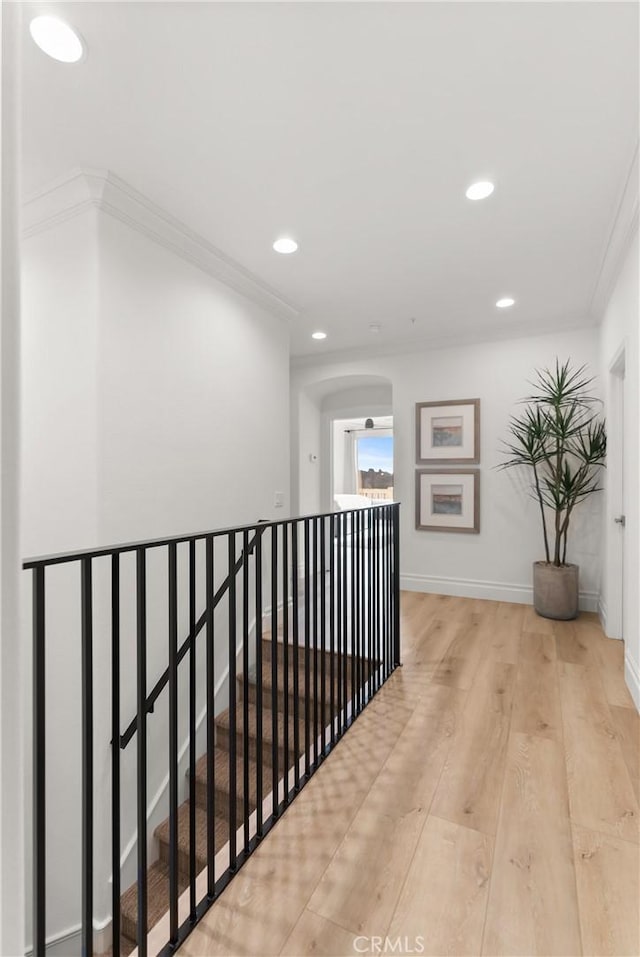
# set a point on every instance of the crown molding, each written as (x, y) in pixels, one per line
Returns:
(621, 233)
(448, 341)
(86, 189)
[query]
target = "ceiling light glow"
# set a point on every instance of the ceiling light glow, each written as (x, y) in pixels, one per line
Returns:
(285, 245)
(480, 190)
(318, 335)
(505, 303)
(57, 39)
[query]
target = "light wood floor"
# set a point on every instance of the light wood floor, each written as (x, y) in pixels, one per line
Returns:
(486, 802)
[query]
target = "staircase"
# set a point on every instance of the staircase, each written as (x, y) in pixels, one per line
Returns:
(158, 872)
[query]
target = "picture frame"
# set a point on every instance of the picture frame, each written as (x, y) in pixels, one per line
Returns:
(448, 500)
(448, 432)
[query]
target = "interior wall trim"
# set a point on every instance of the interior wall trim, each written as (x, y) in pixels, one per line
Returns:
(84, 189)
(632, 677)
(493, 591)
(623, 229)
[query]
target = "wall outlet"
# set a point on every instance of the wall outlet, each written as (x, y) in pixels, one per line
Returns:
(279, 500)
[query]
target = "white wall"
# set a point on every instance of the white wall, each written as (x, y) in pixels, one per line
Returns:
(308, 443)
(156, 402)
(12, 681)
(194, 396)
(619, 331)
(497, 562)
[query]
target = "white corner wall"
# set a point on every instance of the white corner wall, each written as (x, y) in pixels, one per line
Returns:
(497, 562)
(156, 402)
(620, 330)
(13, 700)
(194, 397)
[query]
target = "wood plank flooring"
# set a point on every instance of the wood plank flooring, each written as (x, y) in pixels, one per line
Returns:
(485, 803)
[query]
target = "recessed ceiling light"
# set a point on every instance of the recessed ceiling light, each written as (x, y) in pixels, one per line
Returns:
(505, 303)
(285, 245)
(480, 190)
(57, 39)
(318, 335)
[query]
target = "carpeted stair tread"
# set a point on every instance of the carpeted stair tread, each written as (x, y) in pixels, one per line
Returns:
(314, 688)
(157, 900)
(221, 773)
(280, 646)
(223, 733)
(221, 831)
(127, 946)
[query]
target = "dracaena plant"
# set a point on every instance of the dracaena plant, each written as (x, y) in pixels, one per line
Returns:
(560, 438)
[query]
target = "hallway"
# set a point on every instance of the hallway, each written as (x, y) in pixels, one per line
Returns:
(456, 813)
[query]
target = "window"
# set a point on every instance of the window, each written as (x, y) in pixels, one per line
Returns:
(374, 464)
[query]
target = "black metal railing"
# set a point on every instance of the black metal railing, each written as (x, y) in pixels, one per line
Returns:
(323, 594)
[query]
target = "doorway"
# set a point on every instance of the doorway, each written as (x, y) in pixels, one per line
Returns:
(618, 482)
(362, 456)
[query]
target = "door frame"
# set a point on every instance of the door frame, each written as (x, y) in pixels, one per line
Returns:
(614, 536)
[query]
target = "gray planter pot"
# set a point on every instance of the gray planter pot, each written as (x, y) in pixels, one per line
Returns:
(555, 590)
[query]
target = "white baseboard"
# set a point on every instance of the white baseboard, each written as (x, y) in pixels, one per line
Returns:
(69, 942)
(602, 615)
(632, 677)
(493, 591)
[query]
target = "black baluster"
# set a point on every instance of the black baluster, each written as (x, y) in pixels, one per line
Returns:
(345, 620)
(233, 784)
(307, 628)
(315, 642)
(296, 636)
(354, 613)
(358, 587)
(141, 730)
(285, 653)
(259, 683)
(115, 754)
(274, 667)
(376, 594)
(39, 758)
(87, 757)
(173, 743)
(389, 587)
(245, 689)
(332, 625)
(396, 586)
(370, 514)
(211, 720)
(323, 631)
(192, 729)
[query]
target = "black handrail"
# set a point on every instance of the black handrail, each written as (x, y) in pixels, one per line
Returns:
(62, 558)
(163, 681)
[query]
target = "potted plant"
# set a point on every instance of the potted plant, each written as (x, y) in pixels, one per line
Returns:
(560, 439)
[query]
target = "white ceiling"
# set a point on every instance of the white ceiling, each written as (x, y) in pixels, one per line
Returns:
(356, 127)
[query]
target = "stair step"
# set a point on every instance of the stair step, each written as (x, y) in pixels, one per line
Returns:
(223, 735)
(221, 772)
(280, 646)
(221, 831)
(157, 900)
(127, 946)
(267, 699)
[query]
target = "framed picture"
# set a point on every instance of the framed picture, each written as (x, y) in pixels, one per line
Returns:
(448, 433)
(448, 500)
